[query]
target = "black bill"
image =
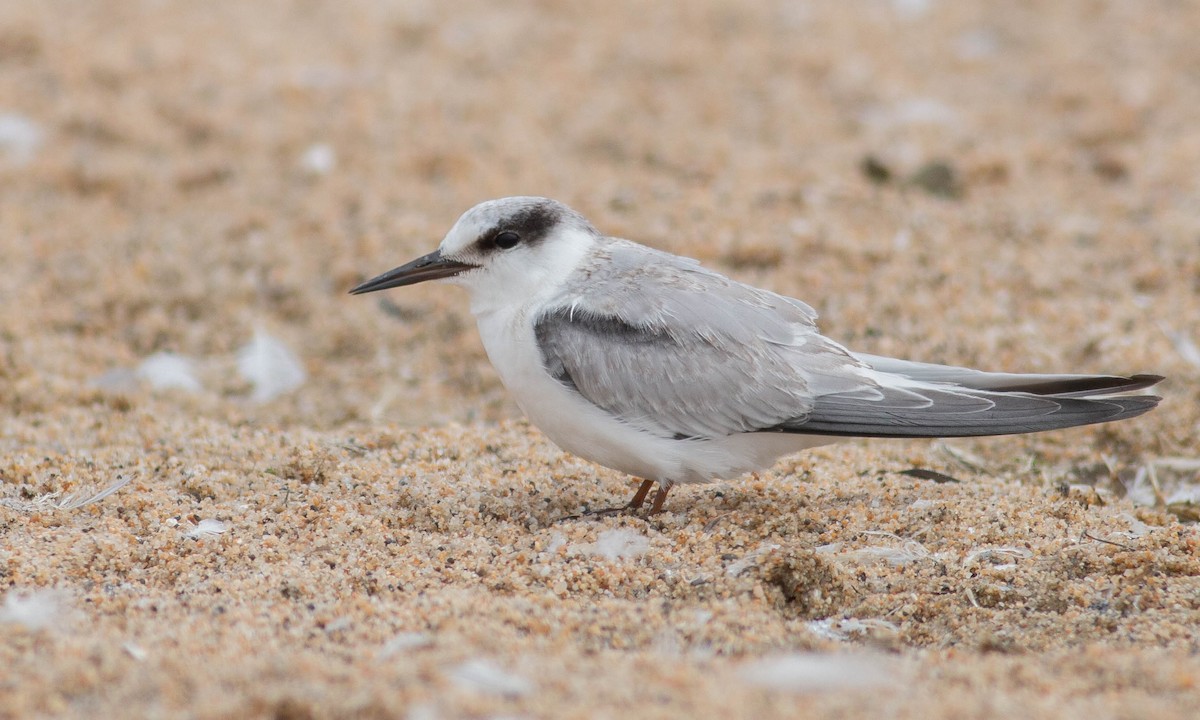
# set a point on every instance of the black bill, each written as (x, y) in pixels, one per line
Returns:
(427, 267)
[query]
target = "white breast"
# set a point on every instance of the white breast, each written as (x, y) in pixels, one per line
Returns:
(568, 420)
(581, 428)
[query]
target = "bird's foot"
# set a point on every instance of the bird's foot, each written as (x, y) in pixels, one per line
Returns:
(634, 504)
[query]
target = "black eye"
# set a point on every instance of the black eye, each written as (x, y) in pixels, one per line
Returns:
(506, 239)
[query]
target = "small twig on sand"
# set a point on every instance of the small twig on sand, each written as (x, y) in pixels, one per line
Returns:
(1090, 536)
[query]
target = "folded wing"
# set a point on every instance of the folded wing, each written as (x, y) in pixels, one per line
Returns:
(961, 403)
(674, 349)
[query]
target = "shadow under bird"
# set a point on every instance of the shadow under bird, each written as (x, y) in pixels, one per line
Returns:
(647, 363)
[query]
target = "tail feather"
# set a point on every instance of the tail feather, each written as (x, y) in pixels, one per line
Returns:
(1058, 385)
(963, 403)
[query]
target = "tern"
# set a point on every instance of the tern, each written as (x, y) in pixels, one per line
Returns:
(650, 364)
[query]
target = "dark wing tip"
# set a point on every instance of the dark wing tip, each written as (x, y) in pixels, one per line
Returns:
(1134, 405)
(1083, 386)
(1146, 380)
(1010, 414)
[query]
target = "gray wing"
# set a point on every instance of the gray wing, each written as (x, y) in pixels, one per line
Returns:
(680, 351)
(1056, 384)
(963, 402)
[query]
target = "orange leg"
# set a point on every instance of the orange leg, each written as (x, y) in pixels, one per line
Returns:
(640, 497)
(635, 503)
(660, 497)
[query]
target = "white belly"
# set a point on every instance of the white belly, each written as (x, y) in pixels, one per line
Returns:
(581, 428)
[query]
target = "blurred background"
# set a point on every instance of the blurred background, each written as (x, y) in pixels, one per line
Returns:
(305, 527)
(1008, 185)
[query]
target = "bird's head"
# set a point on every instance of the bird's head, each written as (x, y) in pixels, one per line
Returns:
(514, 247)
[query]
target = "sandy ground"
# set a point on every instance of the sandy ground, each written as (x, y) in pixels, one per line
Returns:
(1008, 185)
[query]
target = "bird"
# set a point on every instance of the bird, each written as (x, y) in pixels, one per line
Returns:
(650, 364)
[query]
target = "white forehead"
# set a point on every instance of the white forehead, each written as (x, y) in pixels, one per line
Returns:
(524, 214)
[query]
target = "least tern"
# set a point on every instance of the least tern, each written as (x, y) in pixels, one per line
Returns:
(647, 363)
